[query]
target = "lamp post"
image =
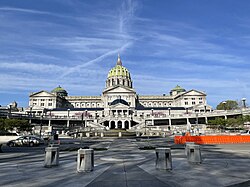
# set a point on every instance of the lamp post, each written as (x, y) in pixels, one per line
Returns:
(244, 102)
(30, 115)
(86, 113)
(152, 113)
(68, 117)
(9, 113)
(196, 122)
(41, 125)
(68, 112)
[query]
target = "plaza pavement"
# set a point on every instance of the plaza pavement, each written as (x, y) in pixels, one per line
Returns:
(124, 165)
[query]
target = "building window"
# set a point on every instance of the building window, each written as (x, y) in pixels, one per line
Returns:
(185, 98)
(34, 99)
(50, 99)
(193, 103)
(34, 103)
(42, 99)
(42, 104)
(50, 104)
(200, 98)
(200, 102)
(186, 103)
(193, 98)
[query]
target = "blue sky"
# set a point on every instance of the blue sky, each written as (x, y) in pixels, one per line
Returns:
(201, 45)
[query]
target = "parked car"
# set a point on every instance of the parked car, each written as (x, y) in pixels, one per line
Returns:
(247, 132)
(26, 141)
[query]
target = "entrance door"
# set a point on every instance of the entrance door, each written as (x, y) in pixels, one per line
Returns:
(119, 124)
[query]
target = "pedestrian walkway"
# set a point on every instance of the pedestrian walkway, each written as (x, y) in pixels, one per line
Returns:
(124, 172)
(126, 175)
(124, 165)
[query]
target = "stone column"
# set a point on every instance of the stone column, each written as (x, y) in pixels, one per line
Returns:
(67, 123)
(116, 124)
(123, 124)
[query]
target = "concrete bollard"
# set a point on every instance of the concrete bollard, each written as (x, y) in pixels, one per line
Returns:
(102, 135)
(85, 160)
(51, 157)
(188, 143)
(163, 158)
(193, 153)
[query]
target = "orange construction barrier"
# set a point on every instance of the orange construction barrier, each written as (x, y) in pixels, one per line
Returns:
(220, 139)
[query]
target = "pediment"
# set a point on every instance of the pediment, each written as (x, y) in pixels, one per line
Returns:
(119, 89)
(119, 106)
(42, 94)
(194, 93)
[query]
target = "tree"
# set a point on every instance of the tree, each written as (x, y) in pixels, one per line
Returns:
(227, 105)
(217, 123)
(11, 124)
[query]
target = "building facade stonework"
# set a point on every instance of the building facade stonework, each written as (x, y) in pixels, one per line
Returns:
(119, 106)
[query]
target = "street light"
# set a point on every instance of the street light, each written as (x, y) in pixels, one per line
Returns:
(244, 102)
(196, 119)
(68, 112)
(68, 117)
(9, 115)
(30, 114)
(41, 125)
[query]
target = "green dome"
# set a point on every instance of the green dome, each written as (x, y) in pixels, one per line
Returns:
(119, 70)
(178, 89)
(60, 91)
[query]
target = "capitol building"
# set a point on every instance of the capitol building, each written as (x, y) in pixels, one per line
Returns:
(119, 106)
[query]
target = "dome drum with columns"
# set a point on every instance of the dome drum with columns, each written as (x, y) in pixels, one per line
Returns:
(119, 106)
